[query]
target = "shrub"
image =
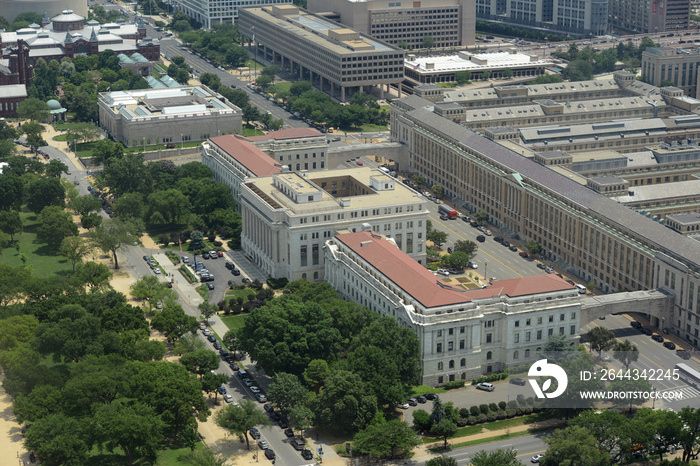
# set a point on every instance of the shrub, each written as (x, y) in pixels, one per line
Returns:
(502, 405)
(186, 235)
(484, 408)
(277, 283)
(481, 418)
(471, 420)
(493, 407)
(491, 416)
(512, 404)
(519, 369)
(491, 378)
(510, 412)
(164, 239)
(421, 419)
(474, 411)
(218, 244)
(211, 237)
(454, 384)
(461, 422)
(464, 412)
(500, 414)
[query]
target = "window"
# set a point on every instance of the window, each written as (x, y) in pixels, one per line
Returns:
(517, 323)
(572, 330)
(515, 354)
(527, 336)
(439, 333)
(439, 348)
(440, 366)
(516, 338)
(488, 338)
(561, 317)
(450, 345)
(550, 332)
(450, 331)
(461, 330)
(489, 355)
(463, 363)
(304, 259)
(573, 316)
(451, 364)
(539, 334)
(539, 321)
(440, 379)
(551, 318)
(461, 344)
(527, 353)
(528, 322)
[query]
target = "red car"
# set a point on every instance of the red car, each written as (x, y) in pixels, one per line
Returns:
(219, 253)
(359, 162)
(523, 254)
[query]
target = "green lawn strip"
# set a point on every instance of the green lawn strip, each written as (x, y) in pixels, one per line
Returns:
(252, 132)
(172, 456)
(486, 440)
(250, 63)
(461, 432)
(234, 294)
(425, 390)
(284, 86)
(43, 261)
(60, 137)
(203, 292)
(234, 322)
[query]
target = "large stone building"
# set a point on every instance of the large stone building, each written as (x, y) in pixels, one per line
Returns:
(463, 334)
(585, 231)
(572, 17)
(297, 148)
(69, 34)
(341, 60)
(287, 217)
(650, 16)
(679, 66)
(167, 116)
(450, 23)
(210, 12)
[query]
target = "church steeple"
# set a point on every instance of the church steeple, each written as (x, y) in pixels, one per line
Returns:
(93, 36)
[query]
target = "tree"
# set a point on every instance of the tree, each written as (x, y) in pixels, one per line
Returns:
(106, 149)
(207, 310)
(393, 439)
(286, 391)
(498, 457)
(54, 226)
(10, 223)
(83, 205)
(421, 419)
(690, 417)
(197, 241)
(200, 362)
(438, 413)
(93, 274)
(33, 109)
(437, 236)
(263, 81)
(270, 71)
(481, 216)
(607, 427)
(315, 373)
(601, 339)
(467, 247)
(74, 248)
(444, 429)
(457, 260)
(188, 344)
(240, 419)
(112, 234)
(212, 382)
(508, 73)
(125, 174)
(299, 87)
(174, 323)
(58, 439)
(344, 405)
(579, 70)
(573, 446)
(55, 168)
(666, 83)
(428, 42)
(627, 386)
(533, 247)
(438, 190)
(442, 461)
(45, 192)
(625, 352)
(134, 428)
(463, 77)
(301, 417)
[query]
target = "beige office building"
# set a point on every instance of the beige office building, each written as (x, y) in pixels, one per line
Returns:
(337, 59)
(586, 232)
(288, 217)
(679, 66)
(450, 23)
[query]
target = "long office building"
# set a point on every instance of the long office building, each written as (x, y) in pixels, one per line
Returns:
(590, 234)
(463, 333)
(450, 23)
(651, 17)
(679, 66)
(337, 59)
(210, 12)
(287, 217)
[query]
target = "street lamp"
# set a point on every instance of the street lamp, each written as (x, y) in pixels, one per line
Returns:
(182, 142)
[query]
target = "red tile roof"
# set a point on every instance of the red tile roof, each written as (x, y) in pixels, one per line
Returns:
(423, 286)
(289, 133)
(248, 155)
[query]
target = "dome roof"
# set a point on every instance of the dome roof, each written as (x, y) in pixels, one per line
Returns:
(67, 16)
(53, 104)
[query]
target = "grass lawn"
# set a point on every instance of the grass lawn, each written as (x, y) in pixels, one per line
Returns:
(249, 130)
(253, 64)
(234, 294)
(43, 261)
(234, 322)
(284, 86)
(425, 389)
(366, 128)
(170, 457)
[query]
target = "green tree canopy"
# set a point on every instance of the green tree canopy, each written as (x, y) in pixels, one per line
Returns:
(240, 419)
(386, 440)
(54, 225)
(33, 109)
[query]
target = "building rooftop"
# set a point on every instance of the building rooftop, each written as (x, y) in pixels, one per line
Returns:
(625, 220)
(330, 35)
(686, 218)
(470, 62)
(13, 90)
(430, 290)
(533, 90)
(661, 191)
(255, 160)
(288, 133)
(321, 183)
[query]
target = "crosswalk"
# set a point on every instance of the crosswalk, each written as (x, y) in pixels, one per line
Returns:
(686, 392)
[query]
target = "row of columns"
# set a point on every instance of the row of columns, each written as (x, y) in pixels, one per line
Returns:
(275, 58)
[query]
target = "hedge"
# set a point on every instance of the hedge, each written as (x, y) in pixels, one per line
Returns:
(188, 274)
(451, 385)
(491, 378)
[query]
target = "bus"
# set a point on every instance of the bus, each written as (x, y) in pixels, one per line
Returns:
(688, 374)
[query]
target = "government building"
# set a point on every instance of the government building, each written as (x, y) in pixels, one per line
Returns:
(463, 334)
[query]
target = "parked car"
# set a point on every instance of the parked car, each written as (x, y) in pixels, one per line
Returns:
(211, 337)
(228, 398)
(218, 345)
(481, 238)
(485, 386)
(412, 402)
(222, 390)
(635, 324)
(658, 338)
(248, 382)
(270, 454)
(498, 239)
(306, 453)
(254, 389)
(670, 345)
(421, 399)
(255, 433)
(263, 444)
(146, 258)
(219, 254)
(233, 366)
(205, 255)
(513, 248)
(210, 286)
(646, 331)
(520, 382)
(261, 398)
(523, 254)
(431, 396)
(536, 458)
(443, 272)
(683, 354)
(235, 271)
(289, 432)
(402, 405)
(245, 280)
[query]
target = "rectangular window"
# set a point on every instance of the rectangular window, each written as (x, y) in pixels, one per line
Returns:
(561, 317)
(488, 338)
(439, 348)
(572, 330)
(303, 256)
(550, 332)
(516, 338)
(439, 333)
(517, 323)
(450, 345)
(461, 344)
(551, 318)
(539, 321)
(314, 254)
(539, 334)
(527, 336)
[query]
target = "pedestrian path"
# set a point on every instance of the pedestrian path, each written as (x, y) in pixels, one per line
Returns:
(686, 391)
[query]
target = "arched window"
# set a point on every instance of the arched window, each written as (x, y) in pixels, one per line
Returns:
(539, 349)
(452, 364)
(439, 366)
(515, 354)
(463, 363)
(488, 356)
(527, 353)
(303, 276)
(315, 275)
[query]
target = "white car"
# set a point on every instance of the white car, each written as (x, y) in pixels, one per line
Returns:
(156, 271)
(473, 265)
(537, 458)
(443, 272)
(248, 382)
(254, 389)
(402, 405)
(228, 398)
